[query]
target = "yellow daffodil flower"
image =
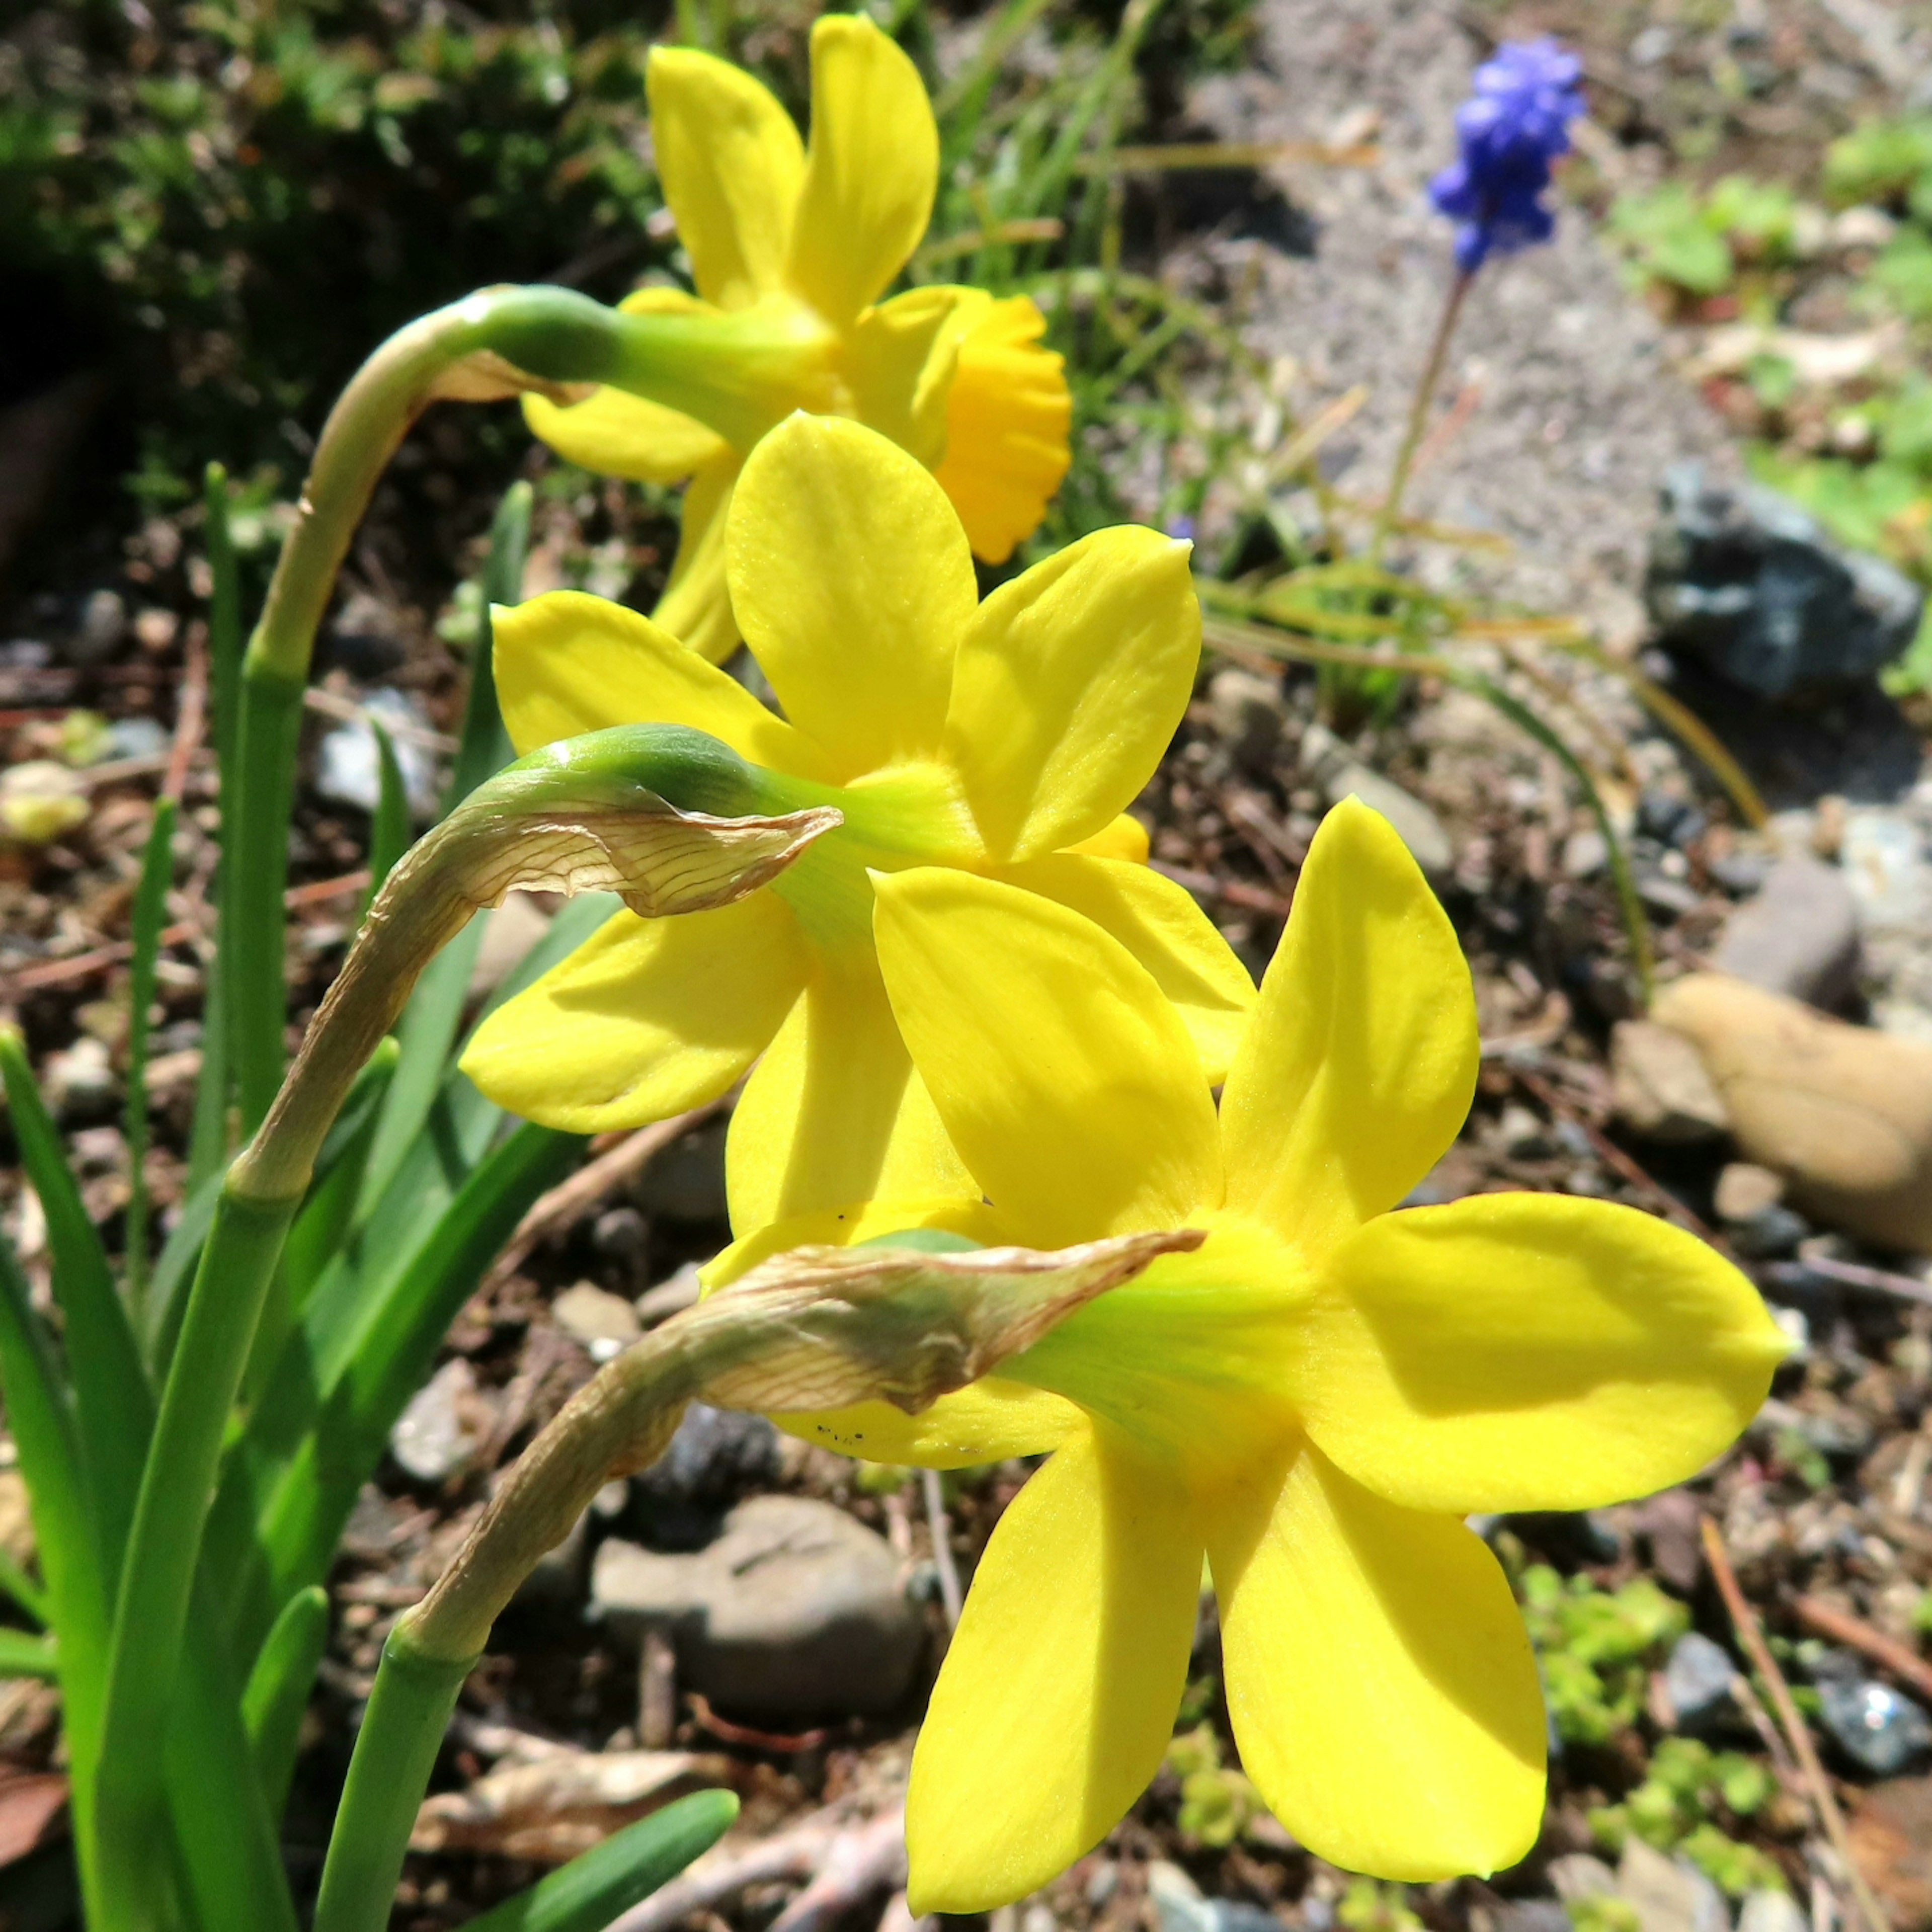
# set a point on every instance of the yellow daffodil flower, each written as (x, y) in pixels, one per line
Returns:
(1314, 1399)
(812, 236)
(1007, 737)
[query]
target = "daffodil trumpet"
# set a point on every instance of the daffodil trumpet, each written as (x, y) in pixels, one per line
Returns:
(590, 815)
(1004, 737)
(780, 232)
(1313, 1399)
(900, 1324)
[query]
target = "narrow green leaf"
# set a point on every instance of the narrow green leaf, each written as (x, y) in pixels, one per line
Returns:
(587, 1894)
(210, 1141)
(150, 911)
(113, 1402)
(24, 1591)
(484, 748)
(223, 1817)
(42, 1422)
(389, 830)
(365, 1379)
(24, 1655)
(278, 1688)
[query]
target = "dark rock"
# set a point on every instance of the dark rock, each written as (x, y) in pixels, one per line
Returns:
(686, 1182)
(717, 1457)
(796, 1610)
(1879, 1729)
(1748, 583)
(1698, 1679)
(1799, 935)
(1770, 1234)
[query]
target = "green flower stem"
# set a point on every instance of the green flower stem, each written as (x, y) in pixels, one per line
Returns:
(817, 1329)
(574, 816)
(738, 373)
(1418, 414)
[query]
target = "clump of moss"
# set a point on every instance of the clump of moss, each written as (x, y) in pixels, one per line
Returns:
(1597, 1647)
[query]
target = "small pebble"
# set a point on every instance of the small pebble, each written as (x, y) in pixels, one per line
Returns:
(1698, 1680)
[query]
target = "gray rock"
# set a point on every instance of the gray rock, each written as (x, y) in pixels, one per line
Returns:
(1888, 871)
(1177, 1901)
(1799, 934)
(686, 1182)
(437, 1436)
(1577, 1875)
(1698, 1681)
(671, 1297)
(1772, 1911)
(1669, 1895)
(80, 1082)
(1880, 1730)
(137, 738)
(1247, 712)
(1743, 580)
(348, 770)
(1770, 1234)
(795, 1610)
(1659, 1085)
(1585, 853)
(101, 630)
(718, 1457)
(1533, 1914)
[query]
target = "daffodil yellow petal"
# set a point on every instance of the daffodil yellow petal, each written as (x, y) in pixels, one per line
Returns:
(732, 166)
(1157, 922)
(568, 663)
(1066, 1079)
(696, 606)
(900, 362)
(987, 1423)
(1068, 687)
(1058, 1694)
(834, 1113)
(1381, 1687)
(1528, 1351)
(871, 170)
(1008, 416)
(650, 1017)
(617, 434)
(1122, 838)
(1360, 1064)
(853, 585)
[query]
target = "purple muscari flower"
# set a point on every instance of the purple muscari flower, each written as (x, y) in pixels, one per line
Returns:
(1510, 129)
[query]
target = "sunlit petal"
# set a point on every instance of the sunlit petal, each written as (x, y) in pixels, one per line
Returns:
(854, 586)
(871, 171)
(1360, 1064)
(1008, 414)
(834, 1113)
(1058, 1694)
(1527, 1351)
(648, 1017)
(617, 434)
(568, 663)
(696, 606)
(1124, 837)
(1067, 1080)
(732, 166)
(1380, 1684)
(1070, 686)
(1158, 922)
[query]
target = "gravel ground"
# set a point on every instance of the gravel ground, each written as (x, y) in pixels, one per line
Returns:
(1569, 412)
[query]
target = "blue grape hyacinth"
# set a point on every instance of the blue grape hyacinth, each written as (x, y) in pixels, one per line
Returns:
(1516, 123)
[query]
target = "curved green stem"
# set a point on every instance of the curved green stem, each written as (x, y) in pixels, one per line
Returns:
(1418, 415)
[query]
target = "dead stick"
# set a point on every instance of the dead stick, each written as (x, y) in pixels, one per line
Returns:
(569, 1201)
(1827, 1620)
(1751, 1634)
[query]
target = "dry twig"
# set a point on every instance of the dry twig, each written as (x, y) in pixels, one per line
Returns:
(1751, 1634)
(1841, 1627)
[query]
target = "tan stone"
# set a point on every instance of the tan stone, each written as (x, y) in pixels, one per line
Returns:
(1660, 1087)
(1844, 1114)
(1745, 1189)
